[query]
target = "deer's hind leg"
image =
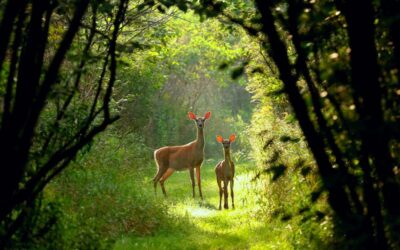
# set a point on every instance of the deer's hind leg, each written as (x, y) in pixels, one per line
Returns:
(164, 177)
(156, 179)
(161, 169)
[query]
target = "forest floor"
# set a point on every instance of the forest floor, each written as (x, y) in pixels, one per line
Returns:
(200, 225)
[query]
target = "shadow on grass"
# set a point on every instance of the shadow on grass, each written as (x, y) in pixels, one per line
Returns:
(207, 204)
(182, 236)
(199, 224)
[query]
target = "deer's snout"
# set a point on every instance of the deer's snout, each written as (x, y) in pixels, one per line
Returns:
(200, 123)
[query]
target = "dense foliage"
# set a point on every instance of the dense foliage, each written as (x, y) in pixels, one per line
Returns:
(179, 72)
(310, 88)
(58, 63)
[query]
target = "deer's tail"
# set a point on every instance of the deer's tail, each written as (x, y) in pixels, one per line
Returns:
(158, 166)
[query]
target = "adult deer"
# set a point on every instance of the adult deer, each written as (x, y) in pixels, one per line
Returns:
(190, 156)
(225, 171)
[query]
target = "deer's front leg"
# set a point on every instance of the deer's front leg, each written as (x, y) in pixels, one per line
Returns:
(232, 195)
(199, 181)
(220, 192)
(226, 194)
(191, 170)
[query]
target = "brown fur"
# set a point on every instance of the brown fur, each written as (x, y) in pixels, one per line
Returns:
(225, 173)
(177, 158)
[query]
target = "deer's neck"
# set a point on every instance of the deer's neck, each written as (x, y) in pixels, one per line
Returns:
(227, 154)
(200, 138)
(229, 169)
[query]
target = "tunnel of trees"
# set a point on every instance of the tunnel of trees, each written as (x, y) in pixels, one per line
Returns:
(88, 90)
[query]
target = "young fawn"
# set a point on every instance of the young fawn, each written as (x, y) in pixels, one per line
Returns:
(225, 171)
(189, 156)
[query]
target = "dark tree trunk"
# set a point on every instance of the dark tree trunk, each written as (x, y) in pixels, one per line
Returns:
(278, 52)
(368, 99)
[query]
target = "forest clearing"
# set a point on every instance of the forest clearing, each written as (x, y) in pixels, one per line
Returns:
(179, 221)
(199, 224)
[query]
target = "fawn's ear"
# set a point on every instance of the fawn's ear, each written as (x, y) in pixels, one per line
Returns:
(191, 116)
(207, 115)
(232, 138)
(219, 138)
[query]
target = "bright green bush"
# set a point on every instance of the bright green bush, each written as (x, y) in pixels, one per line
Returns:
(105, 194)
(287, 171)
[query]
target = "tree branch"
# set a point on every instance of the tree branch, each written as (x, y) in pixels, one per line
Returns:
(337, 196)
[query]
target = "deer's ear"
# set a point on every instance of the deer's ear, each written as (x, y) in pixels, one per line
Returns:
(219, 139)
(232, 138)
(207, 115)
(191, 116)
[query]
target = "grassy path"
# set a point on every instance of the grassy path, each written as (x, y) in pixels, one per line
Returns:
(200, 225)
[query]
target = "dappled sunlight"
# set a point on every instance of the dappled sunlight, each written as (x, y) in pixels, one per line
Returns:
(201, 212)
(201, 224)
(119, 120)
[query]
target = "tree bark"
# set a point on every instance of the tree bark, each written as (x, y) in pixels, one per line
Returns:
(278, 52)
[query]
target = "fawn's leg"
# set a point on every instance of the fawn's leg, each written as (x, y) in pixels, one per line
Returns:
(232, 195)
(220, 192)
(199, 181)
(191, 170)
(164, 178)
(226, 194)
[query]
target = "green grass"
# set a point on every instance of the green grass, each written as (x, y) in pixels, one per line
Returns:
(197, 224)
(106, 201)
